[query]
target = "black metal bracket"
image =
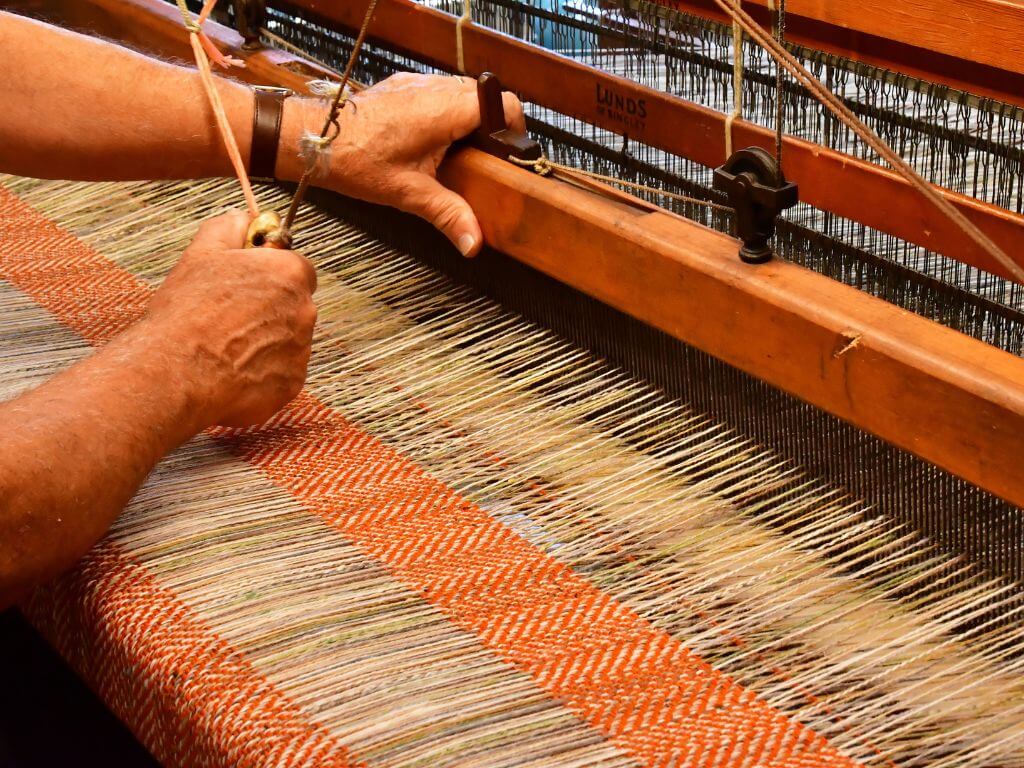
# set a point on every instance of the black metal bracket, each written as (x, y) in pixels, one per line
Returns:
(494, 136)
(759, 193)
(250, 19)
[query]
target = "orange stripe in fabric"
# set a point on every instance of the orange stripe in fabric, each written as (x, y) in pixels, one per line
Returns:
(186, 694)
(638, 685)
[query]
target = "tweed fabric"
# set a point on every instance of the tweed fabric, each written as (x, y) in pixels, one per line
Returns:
(351, 595)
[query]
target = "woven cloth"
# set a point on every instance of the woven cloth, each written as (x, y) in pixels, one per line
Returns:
(468, 543)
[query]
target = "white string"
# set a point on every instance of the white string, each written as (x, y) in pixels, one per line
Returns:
(324, 89)
(315, 150)
(465, 18)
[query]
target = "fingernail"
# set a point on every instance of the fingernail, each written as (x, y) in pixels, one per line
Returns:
(466, 244)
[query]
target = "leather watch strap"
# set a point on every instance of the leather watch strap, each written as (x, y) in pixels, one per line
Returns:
(266, 130)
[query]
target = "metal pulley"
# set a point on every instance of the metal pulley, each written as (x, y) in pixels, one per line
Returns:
(759, 192)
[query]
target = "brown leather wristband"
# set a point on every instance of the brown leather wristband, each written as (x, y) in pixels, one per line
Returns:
(266, 131)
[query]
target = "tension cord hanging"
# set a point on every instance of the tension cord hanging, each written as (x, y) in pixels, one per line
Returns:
(265, 227)
(204, 50)
(778, 9)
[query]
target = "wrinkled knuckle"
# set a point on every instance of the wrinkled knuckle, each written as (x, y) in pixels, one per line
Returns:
(307, 317)
(293, 270)
(294, 387)
(444, 215)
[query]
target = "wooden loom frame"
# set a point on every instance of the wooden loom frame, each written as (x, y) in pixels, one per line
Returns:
(950, 399)
(829, 180)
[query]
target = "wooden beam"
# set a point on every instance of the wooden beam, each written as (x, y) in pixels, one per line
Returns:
(829, 180)
(952, 400)
(975, 46)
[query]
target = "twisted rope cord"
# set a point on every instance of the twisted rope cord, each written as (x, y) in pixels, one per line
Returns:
(545, 167)
(872, 139)
(199, 51)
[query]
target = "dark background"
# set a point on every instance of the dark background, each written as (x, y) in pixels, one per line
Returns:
(48, 717)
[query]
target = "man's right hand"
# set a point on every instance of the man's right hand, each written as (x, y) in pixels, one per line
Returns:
(243, 317)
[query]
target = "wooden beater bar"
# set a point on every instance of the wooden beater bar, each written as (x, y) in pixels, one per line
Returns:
(975, 46)
(829, 180)
(950, 399)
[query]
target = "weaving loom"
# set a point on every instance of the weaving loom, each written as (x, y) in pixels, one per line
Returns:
(523, 514)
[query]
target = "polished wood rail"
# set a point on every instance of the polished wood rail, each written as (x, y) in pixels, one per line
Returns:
(952, 400)
(829, 180)
(975, 46)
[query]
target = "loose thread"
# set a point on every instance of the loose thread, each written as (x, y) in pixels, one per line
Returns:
(325, 89)
(315, 151)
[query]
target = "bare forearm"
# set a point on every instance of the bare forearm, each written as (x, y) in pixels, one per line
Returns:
(77, 448)
(81, 108)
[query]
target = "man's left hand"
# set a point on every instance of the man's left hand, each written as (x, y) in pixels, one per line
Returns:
(394, 136)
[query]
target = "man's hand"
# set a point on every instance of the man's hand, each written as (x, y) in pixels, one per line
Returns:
(244, 316)
(226, 341)
(393, 137)
(65, 122)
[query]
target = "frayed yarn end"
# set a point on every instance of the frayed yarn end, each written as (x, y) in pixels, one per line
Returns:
(327, 89)
(315, 151)
(216, 57)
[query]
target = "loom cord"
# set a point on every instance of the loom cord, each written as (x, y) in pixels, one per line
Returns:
(872, 139)
(194, 27)
(465, 18)
(779, 12)
(545, 167)
(737, 85)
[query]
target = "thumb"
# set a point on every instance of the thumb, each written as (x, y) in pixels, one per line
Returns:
(224, 232)
(446, 210)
